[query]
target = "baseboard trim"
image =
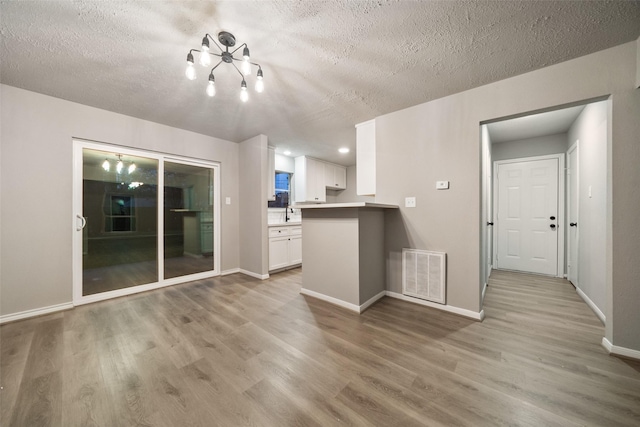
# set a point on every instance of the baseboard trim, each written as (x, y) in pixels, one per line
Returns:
(451, 309)
(592, 306)
(620, 351)
(252, 274)
(230, 271)
(371, 301)
(335, 301)
(35, 312)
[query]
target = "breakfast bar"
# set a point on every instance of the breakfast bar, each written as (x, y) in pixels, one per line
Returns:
(343, 252)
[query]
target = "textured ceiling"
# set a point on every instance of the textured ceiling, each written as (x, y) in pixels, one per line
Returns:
(327, 64)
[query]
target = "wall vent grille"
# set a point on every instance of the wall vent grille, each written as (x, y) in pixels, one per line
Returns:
(423, 274)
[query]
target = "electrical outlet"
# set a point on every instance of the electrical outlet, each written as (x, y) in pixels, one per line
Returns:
(409, 202)
(442, 185)
(228, 200)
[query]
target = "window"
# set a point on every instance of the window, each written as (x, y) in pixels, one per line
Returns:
(120, 214)
(283, 190)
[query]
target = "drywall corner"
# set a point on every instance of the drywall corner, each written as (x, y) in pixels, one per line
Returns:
(638, 63)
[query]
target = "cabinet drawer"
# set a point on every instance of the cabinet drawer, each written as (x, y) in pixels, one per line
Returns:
(295, 231)
(278, 231)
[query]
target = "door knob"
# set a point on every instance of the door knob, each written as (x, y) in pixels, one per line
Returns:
(573, 224)
(489, 223)
(552, 218)
(552, 226)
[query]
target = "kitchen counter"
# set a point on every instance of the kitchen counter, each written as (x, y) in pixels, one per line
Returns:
(284, 224)
(343, 251)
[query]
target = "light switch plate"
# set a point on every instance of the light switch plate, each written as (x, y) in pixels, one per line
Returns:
(442, 185)
(227, 200)
(409, 202)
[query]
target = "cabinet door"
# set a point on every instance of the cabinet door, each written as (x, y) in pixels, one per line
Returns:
(295, 250)
(340, 177)
(315, 180)
(329, 175)
(278, 252)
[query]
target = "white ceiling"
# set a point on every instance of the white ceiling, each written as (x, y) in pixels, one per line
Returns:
(327, 64)
(535, 125)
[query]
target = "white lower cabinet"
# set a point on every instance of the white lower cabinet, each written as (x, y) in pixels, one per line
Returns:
(285, 246)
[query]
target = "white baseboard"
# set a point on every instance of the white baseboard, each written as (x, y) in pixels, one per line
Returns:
(35, 312)
(592, 306)
(620, 351)
(230, 271)
(332, 300)
(252, 274)
(451, 309)
(371, 300)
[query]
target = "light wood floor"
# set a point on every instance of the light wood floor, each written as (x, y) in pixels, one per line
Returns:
(236, 351)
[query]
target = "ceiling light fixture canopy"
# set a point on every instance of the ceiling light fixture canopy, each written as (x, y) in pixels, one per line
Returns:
(227, 40)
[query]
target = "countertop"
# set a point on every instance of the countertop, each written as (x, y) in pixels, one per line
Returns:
(347, 205)
(284, 224)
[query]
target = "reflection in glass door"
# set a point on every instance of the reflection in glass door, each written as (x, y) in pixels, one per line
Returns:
(142, 221)
(188, 219)
(120, 212)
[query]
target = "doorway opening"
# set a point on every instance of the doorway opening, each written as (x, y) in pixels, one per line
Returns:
(534, 224)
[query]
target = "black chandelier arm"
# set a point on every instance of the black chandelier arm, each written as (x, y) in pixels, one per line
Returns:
(234, 66)
(238, 48)
(215, 67)
(252, 63)
(214, 42)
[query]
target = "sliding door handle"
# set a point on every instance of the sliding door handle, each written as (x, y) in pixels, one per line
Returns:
(83, 222)
(573, 224)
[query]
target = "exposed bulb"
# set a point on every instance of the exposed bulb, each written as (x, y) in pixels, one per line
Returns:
(105, 165)
(246, 67)
(119, 166)
(191, 71)
(205, 58)
(259, 82)
(244, 95)
(132, 167)
(211, 88)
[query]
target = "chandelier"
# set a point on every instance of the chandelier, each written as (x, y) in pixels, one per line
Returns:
(227, 40)
(106, 165)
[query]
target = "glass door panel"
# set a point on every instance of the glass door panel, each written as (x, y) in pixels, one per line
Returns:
(188, 219)
(120, 210)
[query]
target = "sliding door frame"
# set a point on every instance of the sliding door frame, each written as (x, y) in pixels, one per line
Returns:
(78, 146)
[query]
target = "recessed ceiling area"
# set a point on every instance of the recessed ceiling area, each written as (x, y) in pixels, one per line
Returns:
(327, 65)
(534, 125)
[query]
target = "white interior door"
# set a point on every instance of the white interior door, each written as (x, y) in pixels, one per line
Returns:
(528, 214)
(572, 214)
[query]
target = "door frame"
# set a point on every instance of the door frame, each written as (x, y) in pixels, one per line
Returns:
(574, 147)
(561, 205)
(78, 146)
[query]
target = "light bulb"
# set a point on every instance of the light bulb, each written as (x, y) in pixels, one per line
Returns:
(211, 88)
(191, 71)
(119, 166)
(205, 58)
(105, 165)
(132, 167)
(259, 82)
(246, 67)
(244, 95)
(245, 54)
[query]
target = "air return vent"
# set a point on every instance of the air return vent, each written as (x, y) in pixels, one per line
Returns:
(423, 274)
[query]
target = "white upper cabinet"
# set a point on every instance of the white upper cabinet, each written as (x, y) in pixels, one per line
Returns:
(309, 181)
(335, 176)
(366, 158)
(271, 171)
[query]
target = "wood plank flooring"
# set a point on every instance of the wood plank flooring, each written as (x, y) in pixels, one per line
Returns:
(235, 351)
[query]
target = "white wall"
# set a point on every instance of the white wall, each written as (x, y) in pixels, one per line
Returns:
(36, 188)
(530, 147)
(440, 140)
(350, 194)
(254, 256)
(590, 128)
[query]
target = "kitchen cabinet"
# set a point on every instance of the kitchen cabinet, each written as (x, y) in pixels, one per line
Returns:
(271, 177)
(335, 176)
(285, 246)
(366, 158)
(309, 180)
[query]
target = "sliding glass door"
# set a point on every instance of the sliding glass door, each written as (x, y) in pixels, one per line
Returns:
(141, 221)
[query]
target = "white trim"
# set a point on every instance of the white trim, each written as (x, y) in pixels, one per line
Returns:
(456, 310)
(230, 271)
(592, 306)
(332, 300)
(574, 147)
(484, 291)
(35, 312)
(252, 274)
(371, 301)
(620, 351)
(561, 205)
